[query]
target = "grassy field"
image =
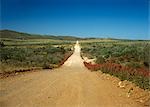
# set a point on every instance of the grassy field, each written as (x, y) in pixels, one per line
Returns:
(16, 58)
(33, 56)
(125, 59)
(30, 53)
(18, 42)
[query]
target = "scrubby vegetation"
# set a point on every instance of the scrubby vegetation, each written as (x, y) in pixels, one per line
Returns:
(21, 51)
(44, 57)
(127, 60)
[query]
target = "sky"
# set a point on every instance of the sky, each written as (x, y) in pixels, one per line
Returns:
(82, 18)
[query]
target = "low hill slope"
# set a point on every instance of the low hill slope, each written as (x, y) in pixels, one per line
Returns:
(19, 35)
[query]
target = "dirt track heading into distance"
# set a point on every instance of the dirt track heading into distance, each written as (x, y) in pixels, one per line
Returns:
(71, 85)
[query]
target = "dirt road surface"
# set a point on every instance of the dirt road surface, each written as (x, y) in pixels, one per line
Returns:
(71, 85)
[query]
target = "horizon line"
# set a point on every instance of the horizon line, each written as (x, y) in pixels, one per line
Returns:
(77, 36)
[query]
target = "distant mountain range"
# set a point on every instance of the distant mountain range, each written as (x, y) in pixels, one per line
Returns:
(24, 36)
